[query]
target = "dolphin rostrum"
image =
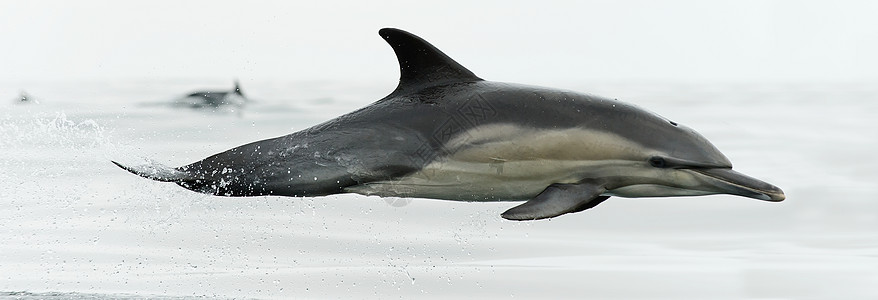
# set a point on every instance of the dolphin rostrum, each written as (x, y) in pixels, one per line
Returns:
(445, 133)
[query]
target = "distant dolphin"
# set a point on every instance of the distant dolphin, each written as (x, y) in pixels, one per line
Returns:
(213, 98)
(445, 133)
(24, 97)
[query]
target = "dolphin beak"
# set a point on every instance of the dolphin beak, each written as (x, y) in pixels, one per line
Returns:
(731, 182)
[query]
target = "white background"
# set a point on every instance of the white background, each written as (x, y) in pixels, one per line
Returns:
(521, 41)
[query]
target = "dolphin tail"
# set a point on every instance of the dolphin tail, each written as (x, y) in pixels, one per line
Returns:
(159, 172)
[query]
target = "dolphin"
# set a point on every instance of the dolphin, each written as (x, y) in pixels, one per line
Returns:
(214, 98)
(444, 133)
(24, 98)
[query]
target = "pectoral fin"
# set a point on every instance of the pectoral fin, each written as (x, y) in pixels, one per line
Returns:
(558, 199)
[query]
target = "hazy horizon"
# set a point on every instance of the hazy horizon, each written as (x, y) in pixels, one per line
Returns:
(676, 41)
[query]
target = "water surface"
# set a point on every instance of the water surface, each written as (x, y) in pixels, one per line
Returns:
(75, 226)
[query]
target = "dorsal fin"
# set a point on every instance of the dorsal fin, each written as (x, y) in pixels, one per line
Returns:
(238, 88)
(422, 64)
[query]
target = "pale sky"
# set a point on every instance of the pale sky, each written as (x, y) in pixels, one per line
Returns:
(498, 40)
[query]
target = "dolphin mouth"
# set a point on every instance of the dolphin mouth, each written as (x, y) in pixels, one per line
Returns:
(732, 182)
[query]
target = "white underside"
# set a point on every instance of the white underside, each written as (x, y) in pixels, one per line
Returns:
(509, 163)
(507, 181)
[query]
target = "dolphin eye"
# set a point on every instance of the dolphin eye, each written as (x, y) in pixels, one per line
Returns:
(673, 123)
(657, 162)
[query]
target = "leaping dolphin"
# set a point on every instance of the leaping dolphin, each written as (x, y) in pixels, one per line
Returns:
(445, 133)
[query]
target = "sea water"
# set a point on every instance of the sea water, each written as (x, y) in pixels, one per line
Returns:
(73, 225)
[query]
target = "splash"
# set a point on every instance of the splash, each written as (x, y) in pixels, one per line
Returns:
(55, 131)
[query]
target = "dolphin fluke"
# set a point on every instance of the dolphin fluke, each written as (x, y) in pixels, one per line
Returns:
(158, 172)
